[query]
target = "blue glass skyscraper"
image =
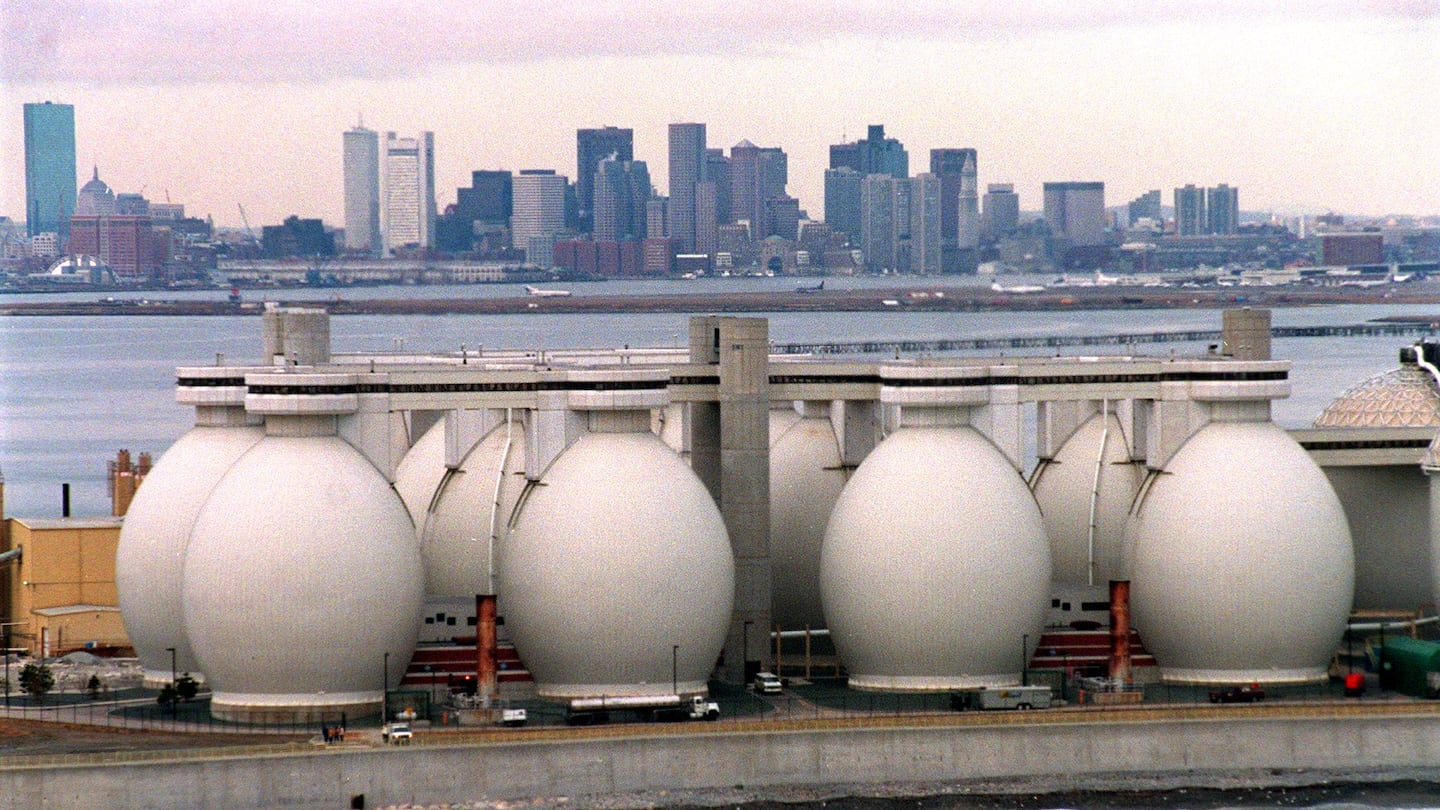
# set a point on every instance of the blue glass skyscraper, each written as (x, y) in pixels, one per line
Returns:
(49, 168)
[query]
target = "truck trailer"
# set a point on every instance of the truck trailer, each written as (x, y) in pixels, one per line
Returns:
(596, 710)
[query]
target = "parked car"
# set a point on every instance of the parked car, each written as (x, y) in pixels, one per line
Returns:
(767, 683)
(396, 733)
(1238, 694)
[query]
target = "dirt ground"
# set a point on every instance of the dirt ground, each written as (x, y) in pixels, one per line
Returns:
(27, 737)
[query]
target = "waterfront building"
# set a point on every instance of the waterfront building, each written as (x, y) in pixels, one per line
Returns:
(873, 154)
(50, 176)
(1190, 218)
(1075, 212)
(1002, 211)
(687, 169)
(1348, 249)
(591, 147)
(539, 202)
(408, 215)
(362, 190)
(296, 237)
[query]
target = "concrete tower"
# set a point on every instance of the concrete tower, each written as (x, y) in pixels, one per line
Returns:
(1189, 211)
(539, 202)
(49, 168)
(730, 451)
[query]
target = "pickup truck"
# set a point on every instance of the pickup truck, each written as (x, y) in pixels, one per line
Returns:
(1238, 694)
(396, 733)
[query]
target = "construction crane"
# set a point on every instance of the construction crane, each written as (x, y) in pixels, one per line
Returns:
(246, 220)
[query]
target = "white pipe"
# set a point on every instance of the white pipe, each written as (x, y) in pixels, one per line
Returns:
(1425, 364)
(1392, 625)
(1095, 490)
(799, 633)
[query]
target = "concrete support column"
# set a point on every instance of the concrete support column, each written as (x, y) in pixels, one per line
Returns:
(730, 451)
(1000, 421)
(1245, 333)
(857, 425)
(549, 429)
(1056, 422)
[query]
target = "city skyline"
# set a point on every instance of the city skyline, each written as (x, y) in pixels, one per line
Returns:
(1326, 108)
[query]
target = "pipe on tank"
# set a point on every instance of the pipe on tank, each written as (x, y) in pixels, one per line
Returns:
(1120, 630)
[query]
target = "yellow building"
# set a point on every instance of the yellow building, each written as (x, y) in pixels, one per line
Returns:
(58, 591)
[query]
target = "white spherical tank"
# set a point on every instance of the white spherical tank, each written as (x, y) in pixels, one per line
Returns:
(617, 577)
(935, 565)
(806, 478)
(1085, 493)
(1242, 561)
(459, 536)
(303, 572)
(150, 555)
(420, 472)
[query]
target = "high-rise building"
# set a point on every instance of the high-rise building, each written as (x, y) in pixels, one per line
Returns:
(877, 222)
(1075, 212)
(621, 189)
(959, 201)
(408, 215)
(758, 174)
(926, 229)
(362, 190)
(1190, 218)
(1222, 209)
(842, 202)
(539, 200)
(1146, 206)
(591, 147)
(873, 154)
(717, 171)
(125, 242)
(50, 176)
(1002, 210)
(782, 218)
(687, 169)
(655, 217)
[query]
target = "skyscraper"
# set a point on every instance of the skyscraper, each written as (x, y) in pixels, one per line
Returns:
(687, 168)
(1190, 219)
(842, 202)
(926, 230)
(959, 203)
(591, 147)
(1222, 206)
(1075, 212)
(362, 190)
(877, 222)
(873, 154)
(758, 174)
(539, 205)
(408, 215)
(49, 168)
(1146, 206)
(1002, 210)
(621, 190)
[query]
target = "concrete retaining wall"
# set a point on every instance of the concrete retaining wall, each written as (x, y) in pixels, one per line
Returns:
(435, 774)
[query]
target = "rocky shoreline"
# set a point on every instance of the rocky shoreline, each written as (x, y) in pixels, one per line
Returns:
(1196, 790)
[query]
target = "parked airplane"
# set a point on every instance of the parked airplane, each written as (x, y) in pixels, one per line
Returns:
(817, 288)
(1018, 288)
(536, 291)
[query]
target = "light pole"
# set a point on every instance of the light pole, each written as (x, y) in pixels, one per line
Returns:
(745, 650)
(385, 689)
(1024, 654)
(174, 692)
(5, 632)
(675, 668)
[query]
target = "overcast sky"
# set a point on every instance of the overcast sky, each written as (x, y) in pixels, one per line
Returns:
(1323, 105)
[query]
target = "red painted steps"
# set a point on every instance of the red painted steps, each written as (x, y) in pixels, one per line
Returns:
(452, 662)
(1086, 650)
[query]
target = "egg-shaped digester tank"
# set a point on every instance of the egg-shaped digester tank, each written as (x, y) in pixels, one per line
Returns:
(806, 477)
(935, 566)
(1242, 567)
(1085, 493)
(617, 575)
(155, 537)
(302, 582)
